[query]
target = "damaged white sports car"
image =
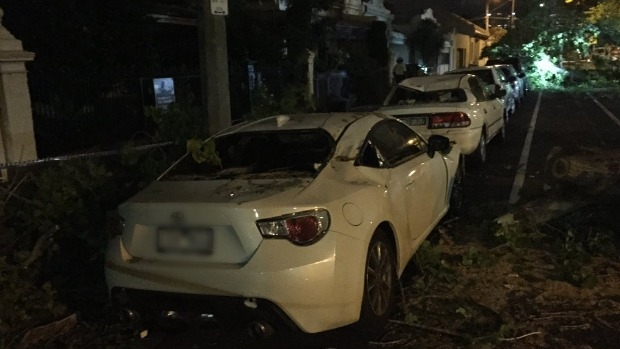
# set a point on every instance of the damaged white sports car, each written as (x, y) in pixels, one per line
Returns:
(301, 221)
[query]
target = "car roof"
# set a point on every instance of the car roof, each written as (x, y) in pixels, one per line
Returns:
(503, 65)
(477, 67)
(434, 82)
(333, 123)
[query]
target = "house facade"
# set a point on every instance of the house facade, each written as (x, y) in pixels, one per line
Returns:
(462, 46)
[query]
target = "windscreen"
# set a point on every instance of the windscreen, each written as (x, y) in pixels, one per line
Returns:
(251, 154)
(485, 75)
(405, 96)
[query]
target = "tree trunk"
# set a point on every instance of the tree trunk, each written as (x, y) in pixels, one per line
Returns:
(592, 170)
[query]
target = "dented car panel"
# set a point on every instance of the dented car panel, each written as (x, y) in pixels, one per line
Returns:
(218, 233)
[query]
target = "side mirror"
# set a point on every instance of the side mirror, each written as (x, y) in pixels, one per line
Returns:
(437, 143)
(500, 93)
(521, 75)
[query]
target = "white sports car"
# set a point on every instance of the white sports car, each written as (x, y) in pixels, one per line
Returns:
(458, 106)
(301, 221)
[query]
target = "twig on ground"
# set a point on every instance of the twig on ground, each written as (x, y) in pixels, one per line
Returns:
(387, 343)
(585, 326)
(519, 337)
(40, 246)
(11, 193)
(606, 324)
(429, 328)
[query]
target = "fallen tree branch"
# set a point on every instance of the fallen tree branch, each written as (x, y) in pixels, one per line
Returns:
(520, 337)
(40, 246)
(387, 343)
(429, 328)
(606, 324)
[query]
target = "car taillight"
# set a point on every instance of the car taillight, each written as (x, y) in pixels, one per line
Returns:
(302, 228)
(448, 120)
(114, 224)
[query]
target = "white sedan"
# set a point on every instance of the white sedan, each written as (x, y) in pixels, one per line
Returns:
(458, 106)
(299, 221)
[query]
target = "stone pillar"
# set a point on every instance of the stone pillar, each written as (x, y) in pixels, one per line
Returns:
(17, 141)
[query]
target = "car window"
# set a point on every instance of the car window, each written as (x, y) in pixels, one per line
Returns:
(485, 75)
(247, 153)
(507, 71)
(482, 92)
(500, 75)
(389, 143)
(405, 96)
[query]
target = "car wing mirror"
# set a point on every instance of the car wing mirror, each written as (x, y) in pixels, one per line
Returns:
(521, 75)
(437, 143)
(500, 93)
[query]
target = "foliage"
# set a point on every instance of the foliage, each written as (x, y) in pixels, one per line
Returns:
(179, 121)
(432, 265)
(606, 15)
(204, 152)
(516, 233)
(543, 39)
(427, 40)
(571, 260)
(23, 303)
(294, 99)
(71, 195)
(477, 257)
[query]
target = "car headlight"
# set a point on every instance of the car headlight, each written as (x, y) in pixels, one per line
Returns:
(301, 228)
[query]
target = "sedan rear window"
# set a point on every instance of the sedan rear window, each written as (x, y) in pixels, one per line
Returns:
(485, 75)
(252, 153)
(405, 96)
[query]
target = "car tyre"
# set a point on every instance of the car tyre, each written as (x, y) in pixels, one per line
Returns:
(502, 133)
(380, 282)
(456, 194)
(480, 154)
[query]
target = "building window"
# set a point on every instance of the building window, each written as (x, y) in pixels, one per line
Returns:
(461, 59)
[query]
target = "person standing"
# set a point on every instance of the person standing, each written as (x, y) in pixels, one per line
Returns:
(399, 71)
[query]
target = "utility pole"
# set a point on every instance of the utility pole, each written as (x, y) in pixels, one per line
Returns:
(486, 15)
(512, 15)
(214, 67)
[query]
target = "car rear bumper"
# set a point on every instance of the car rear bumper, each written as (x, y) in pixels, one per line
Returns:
(315, 288)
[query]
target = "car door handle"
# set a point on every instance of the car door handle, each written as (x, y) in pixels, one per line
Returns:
(485, 110)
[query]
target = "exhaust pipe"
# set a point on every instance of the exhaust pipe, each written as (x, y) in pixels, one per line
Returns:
(260, 329)
(130, 317)
(172, 320)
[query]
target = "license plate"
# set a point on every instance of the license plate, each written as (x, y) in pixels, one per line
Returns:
(417, 121)
(185, 240)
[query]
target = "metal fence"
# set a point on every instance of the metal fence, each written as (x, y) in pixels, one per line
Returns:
(70, 116)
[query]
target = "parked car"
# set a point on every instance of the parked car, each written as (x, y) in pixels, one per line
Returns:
(300, 221)
(458, 106)
(519, 67)
(496, 80)
(517, 83)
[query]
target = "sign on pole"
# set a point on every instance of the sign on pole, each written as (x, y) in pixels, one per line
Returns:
(219, 7)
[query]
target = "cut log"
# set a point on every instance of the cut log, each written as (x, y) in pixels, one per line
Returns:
(592, 170)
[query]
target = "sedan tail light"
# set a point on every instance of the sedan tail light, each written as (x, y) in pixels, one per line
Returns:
(115, 224)
(302, 228)
(448, 120)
